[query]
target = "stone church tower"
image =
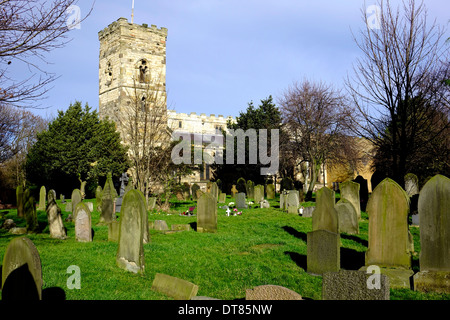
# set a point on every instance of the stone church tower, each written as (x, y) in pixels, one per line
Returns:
(131, 56)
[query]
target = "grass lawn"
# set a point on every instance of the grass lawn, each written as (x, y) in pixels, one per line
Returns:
(262, 246)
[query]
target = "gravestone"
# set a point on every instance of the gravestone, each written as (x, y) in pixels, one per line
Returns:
(90, 205)
(250, 190)
(270, 190)
(118, 205)
(123, 183)
(222, 197)
(21, 271)
(194, 189)
(83, 223)
(350, 191)
(292, 201)
(130, 252)
(55, 222)
(29, 208)
(307, 212)
(240, 201)
(323, 251)
(258, 193)
(325, 216)
(264, 204)
(113, 231)
(62, 198)
(214, 190)
(98, 198)
(199, 193)
(206, 213)
(434, 212)
(19, 201)
(178, 289)
(234, 191)
(151, 203)
(160, 225)
(109, 184)
(108, 213)
(363, 191)
(42, 196)
(411, 184)
(347, 217)
(75, 199)
(389, 245)
(354, 285)
(283, 200)
(146, 237)
(271, 292)
(180, 196)
(181, 227)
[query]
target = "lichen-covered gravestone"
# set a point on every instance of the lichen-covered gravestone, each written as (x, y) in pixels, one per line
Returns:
(214, 191)
(347, 217)
(434, 212)
(270, 190)
(108, 213)
(206, 213)
(258, 193)
(130, 252)
(76, 199)
(194, 189)
(151, 203)
(389, 238)
(29, 208)
(250, 189)
(42, 195)
(55, 222)
(325, 216)
(21, 271)
(83, 223)
(98, 198)
(350, 191)
(292, 201)
(323, 252)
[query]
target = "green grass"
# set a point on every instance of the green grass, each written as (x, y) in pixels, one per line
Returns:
(263, 246)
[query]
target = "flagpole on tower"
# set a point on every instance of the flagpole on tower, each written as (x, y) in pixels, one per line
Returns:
(132, 11)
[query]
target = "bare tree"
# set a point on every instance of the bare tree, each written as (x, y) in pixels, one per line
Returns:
(314, 114)
(29, 29)
(398, 91)
(144, 128)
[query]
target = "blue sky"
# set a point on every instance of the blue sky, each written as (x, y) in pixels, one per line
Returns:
(222, 54)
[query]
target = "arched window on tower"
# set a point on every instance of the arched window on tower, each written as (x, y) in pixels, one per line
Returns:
(143, 75)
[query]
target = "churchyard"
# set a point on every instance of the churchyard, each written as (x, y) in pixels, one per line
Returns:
(239, 249)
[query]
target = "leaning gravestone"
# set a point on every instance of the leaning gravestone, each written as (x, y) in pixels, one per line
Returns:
(29, 208)
(354, 285)
(55, 222)
(240, 201)
(389, 238)
(176, 288)
(350, 191)
(411, 184)
(130, 252)
(42, 195)
(21, 271)
(76, 199)
(271, 292)
(19, 201)
(434, 212)
(270, 190)
(323, 252)
(325, 216)
(206, 213)
(83, 223)
(347, 217)
(258, 192)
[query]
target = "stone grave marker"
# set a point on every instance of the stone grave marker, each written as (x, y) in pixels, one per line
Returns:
(113, 231)
(347, 217)
(411, 184)
(292, 201)
(176, 288)
(62, 198)
(214, 191)
(108, 213)
(194, 189)
(206, 213)
(83, 223)
(240, 201)
(234, 191)
(270, 190)
(181, 227)
(222, 197)
(250, 190)
(264, 204)
(434, 212)
(350, 192)
(258, 193)
(160, 225)
(307, 212)
(75, 199)
(42, 196)
(323, 251)
(199, 193)
(151, 203)
(271, 292)
(55, 222)
(98, 198)
(21, 271)
(130, 252)
(389, 238)
(325, 216)
(354, 285)
(29, 208)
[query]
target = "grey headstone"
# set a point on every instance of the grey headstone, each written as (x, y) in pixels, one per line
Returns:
(83, 223)
(259, 193)
(347, 217)
(206, 213)
(325, 216)
(323, 252)
(350, 192)
(75, 198)
(240, 201)
(55, 222)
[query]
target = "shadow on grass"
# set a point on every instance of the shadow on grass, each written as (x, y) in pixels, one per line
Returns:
(365, 243)
(351, 259)
(193, 225)
(295, 233)
(299, 259)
